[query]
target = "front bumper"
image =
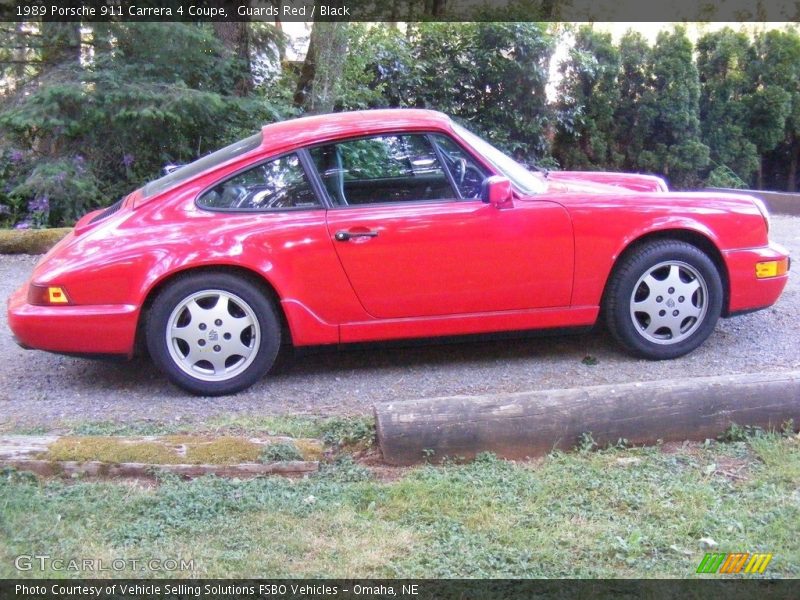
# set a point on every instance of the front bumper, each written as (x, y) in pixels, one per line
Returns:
(82, 329)
(748, 292)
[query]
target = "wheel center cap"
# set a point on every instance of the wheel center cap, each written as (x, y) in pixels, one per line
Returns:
(670, 302)
(213, 336)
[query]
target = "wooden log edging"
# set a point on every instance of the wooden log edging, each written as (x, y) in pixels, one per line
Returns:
(30, 241)
(49, 468)
(29, 453)
(529, 424)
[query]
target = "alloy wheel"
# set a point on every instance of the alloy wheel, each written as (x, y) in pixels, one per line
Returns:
(669, 302)
(213, 335)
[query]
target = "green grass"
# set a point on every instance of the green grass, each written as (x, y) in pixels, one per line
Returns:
(612, 513)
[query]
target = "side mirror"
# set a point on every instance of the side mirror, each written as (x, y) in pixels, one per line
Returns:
(497, 191)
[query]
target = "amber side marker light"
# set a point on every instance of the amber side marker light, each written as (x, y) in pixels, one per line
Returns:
(772, 268)
(47, 295)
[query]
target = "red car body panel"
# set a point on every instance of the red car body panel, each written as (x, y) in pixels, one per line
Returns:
(101, 329)
(562, 180)
(434, 269)
(437, 274)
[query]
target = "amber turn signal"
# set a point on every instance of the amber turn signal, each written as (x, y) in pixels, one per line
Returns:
(772, 268)
(47, 295)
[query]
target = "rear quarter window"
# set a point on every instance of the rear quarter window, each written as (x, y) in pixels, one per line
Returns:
(277, 184)
(187, 172)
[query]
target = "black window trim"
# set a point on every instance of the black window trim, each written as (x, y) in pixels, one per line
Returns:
(320, 191)
(445, 167)
(179, 176)
(424, 133)
(439, 152)
(324, 202)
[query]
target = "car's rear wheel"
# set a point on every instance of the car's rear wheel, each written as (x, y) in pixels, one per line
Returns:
(213, 333)
(663, 299)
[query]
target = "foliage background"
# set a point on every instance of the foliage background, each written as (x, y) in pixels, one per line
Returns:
(90, 111)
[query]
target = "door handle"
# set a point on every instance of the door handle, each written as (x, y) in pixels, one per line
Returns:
(343, 236)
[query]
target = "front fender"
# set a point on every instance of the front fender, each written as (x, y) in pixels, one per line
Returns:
(603, 233)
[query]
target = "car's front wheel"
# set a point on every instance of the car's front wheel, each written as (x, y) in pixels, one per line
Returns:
(213, 333)
(663, 299)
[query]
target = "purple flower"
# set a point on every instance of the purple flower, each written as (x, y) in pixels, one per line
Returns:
(80, 163)
(127, 160)
(16, 156)
(4, 210)
(39, 204)
(62, 175)
(26, 224)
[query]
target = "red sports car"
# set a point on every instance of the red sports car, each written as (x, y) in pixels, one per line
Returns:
(381, 225)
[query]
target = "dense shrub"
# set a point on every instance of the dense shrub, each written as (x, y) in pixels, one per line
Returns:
(162, 93)
(96, 111)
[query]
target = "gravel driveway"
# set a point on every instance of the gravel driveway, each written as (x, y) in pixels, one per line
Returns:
(37, 388)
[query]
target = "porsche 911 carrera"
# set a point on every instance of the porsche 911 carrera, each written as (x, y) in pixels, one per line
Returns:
(385, 225)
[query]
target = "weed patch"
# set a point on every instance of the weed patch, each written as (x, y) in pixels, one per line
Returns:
(279, 452)
(640, 512)
(351, 432)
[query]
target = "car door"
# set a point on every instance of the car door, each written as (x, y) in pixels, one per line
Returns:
(412, 245)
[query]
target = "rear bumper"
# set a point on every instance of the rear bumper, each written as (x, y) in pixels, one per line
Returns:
(747, 292)
(92, 330)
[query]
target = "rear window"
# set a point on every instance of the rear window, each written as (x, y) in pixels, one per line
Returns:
(209, 161)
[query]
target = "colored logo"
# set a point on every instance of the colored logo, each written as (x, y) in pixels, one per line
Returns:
(741, 562)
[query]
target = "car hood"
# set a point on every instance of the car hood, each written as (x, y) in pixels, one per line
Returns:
(599, 182)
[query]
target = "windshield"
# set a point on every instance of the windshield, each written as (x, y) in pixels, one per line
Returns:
(525, 181)
(209, 161)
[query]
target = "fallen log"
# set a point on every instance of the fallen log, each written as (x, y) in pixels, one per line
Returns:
(24, 446)
(528, 424)
(30, 241)
(94, 468)
(184, 455)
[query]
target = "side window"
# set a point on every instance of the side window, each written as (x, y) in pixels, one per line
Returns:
(279, 183)
(467, 173)
(388, 168)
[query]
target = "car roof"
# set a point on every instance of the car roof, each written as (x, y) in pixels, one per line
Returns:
(319, 128)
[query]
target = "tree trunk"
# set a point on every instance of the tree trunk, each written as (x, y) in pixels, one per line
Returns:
(548, 10)
(101, 38)
(20, 54)
(306, 79)
(281, 46)
(794, 150)
(530, 424)
(320, 77)
(61, 43)
(760, 182)
(235, 37)
(435, 8)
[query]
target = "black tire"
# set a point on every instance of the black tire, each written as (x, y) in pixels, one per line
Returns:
(677, 314)
(228, 333)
